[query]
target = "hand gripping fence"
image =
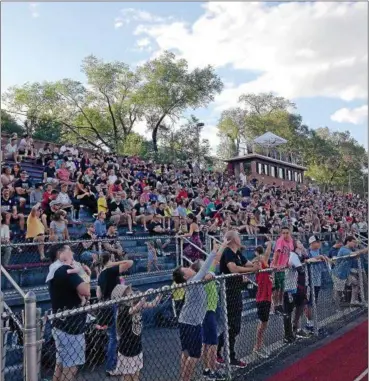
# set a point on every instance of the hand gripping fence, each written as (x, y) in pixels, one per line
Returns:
(143, 333)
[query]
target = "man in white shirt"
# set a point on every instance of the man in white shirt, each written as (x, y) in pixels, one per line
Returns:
(11, 150)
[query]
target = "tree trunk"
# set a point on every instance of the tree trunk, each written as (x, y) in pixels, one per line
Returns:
(155, 139)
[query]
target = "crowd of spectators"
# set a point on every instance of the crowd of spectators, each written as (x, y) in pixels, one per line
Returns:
(160, 199)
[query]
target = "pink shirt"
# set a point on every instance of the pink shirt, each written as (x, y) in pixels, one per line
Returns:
(282, 252)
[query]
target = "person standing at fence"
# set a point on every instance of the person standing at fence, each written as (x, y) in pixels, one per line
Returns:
(346, 269)
(109, 278)
(193, 312)
(65, 290)
(129, 326)
(295, 296)
(233, 262)
(263, 297)
(282, 250)
(318, 265)
(209, 325)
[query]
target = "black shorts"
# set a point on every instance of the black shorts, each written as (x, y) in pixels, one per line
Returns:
(263, 310)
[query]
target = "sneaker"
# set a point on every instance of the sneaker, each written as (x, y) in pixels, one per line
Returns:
(262, 353)
(238, 364)
(220, 360)
(289, 340)
(309, 328)
(278, 310)
(301, 334)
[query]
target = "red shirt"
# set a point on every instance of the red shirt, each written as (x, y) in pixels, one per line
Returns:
(181, 195)
(264, 293)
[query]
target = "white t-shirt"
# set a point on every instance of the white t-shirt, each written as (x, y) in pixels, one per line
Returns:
(291, 273)
(9, 149)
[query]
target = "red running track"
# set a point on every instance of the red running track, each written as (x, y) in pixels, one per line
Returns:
(343, 359)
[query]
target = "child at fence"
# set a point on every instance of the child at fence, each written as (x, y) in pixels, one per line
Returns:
(193, 311)
(77, 268)
(152, 258)
(263, 296)
(129, 327)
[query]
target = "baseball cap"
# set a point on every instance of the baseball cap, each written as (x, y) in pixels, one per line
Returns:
(313, 239)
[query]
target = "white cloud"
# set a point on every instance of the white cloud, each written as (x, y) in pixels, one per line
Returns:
(295, 49)
(33, 9)
(356, 115)
(128, 15)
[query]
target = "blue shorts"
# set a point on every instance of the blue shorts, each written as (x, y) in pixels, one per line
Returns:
(70, 349)
(191, 339)
(209, 329)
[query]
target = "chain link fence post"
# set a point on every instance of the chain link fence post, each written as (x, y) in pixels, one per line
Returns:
(30, 337)
(361, 282)
(313, 299)
(226, 351)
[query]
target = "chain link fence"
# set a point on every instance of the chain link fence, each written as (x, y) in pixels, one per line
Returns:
(208, 329)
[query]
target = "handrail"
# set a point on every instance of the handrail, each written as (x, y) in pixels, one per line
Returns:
(13, 282)
(195, 246)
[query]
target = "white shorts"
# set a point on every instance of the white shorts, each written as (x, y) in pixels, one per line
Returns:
(129, 365)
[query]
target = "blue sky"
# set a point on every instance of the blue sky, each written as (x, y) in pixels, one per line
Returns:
(248, 44)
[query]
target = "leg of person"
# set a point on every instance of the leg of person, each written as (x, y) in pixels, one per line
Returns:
(288, 308)
(129, 222)
(111, 353)
(7, 250)
(263, 311)
(70, 353)
(192, 344)
(234, 321)
(21, 221)
(40, 247)
(210, 341)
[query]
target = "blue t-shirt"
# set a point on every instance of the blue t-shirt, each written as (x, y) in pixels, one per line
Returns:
(344, 265)
(316, 268)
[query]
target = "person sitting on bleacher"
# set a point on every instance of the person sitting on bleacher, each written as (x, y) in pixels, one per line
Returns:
(49, 173)
(36, 194)
(36, 223)
(9, 205)
(44, 154)
(7, 179)
(11, 151)
(89, 247)
(23, 188)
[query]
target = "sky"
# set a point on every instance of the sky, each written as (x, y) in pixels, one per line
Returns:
(313, 53)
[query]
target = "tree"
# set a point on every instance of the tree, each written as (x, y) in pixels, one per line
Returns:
(134, 145)
(9, 125)
(184, 143)
(102, 114)
(231, 131)
(169, 88)
(50, 131)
